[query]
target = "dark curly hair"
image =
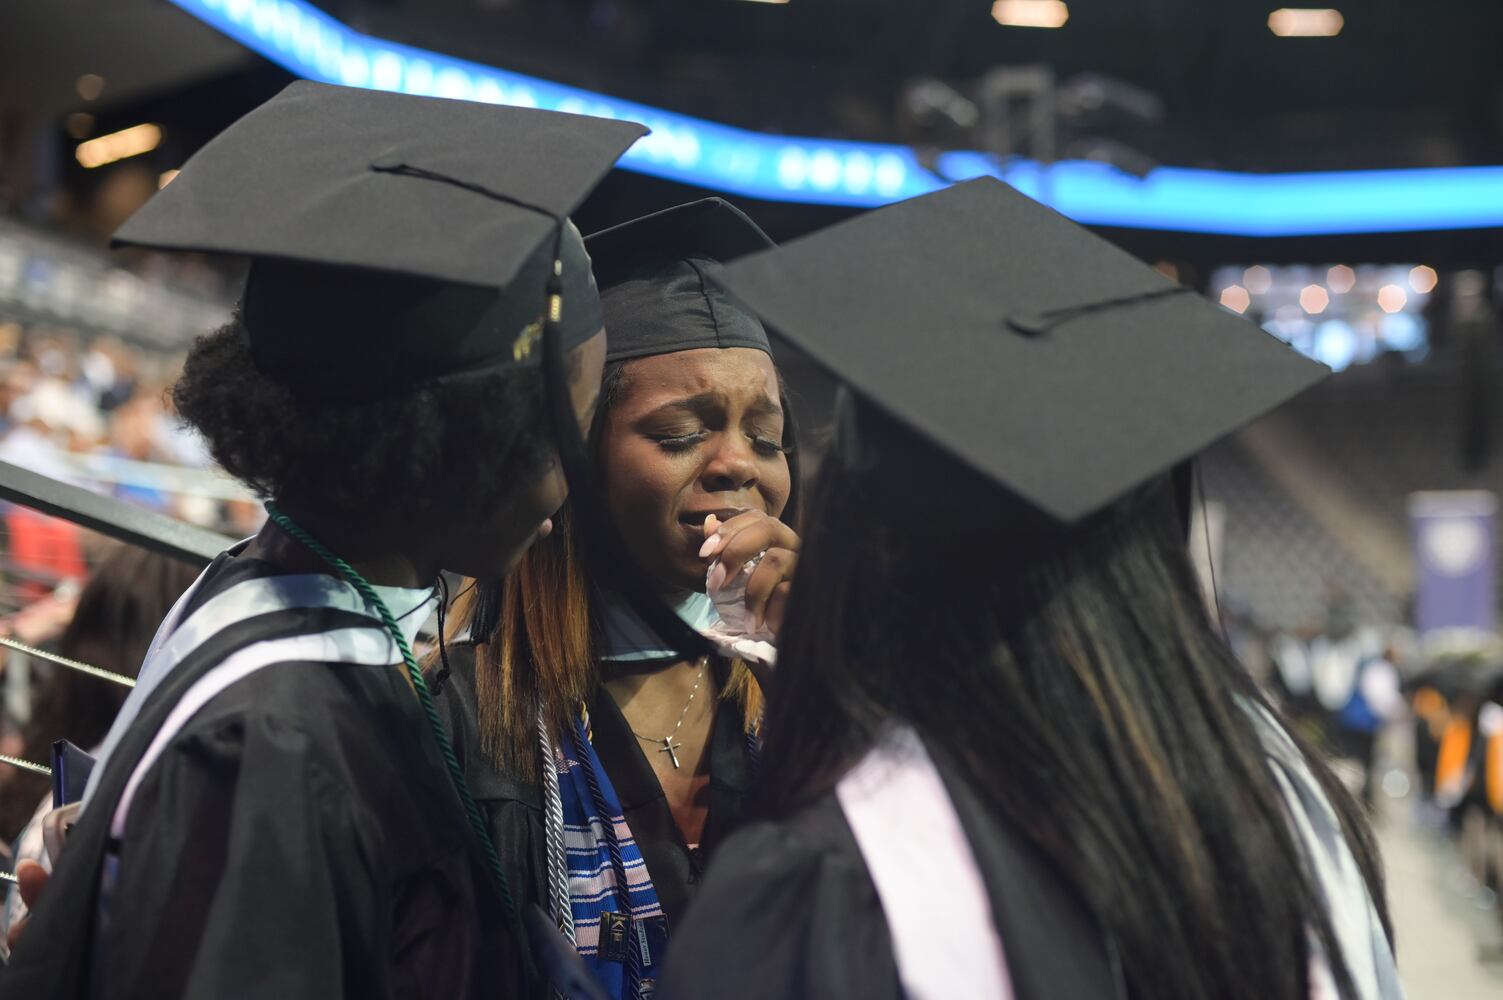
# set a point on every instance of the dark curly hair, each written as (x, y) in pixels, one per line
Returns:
(451, 447)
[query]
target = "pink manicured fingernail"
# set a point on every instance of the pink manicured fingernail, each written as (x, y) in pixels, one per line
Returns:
(710, 546)
(716, 578)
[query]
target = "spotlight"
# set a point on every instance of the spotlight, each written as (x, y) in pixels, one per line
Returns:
(1031, 13)
(1341, 279)
(89, 86)
(132, 141)
(1235, 298)
(1306, 22)
(1423, 279)
(1258, 279)
(1314, 299)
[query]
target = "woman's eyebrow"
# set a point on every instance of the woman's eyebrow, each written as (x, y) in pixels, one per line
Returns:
(765, 406)
(698, 405)
(706, 403)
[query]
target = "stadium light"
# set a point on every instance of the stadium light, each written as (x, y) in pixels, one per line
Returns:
(1423, 279)
(1258, 279)
(1306, 22)
(1313, 299)
(89, 86)
(131, 141)
(1392, 298)
(1031, 13)
(1341, 279)
(1235, 298)
(311, 44)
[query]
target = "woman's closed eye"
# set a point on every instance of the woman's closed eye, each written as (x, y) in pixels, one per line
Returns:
(768, 447)
(679, 442)
(764, 446)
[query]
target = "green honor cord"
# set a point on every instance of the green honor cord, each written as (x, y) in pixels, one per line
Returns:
(425, 698)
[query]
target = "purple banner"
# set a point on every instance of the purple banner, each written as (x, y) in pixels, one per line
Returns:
(1455, 569)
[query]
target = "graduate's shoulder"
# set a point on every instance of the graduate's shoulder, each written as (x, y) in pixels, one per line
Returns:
(786, 909)
(338, 712)
(813, 842)
(452, 681)
(310, 735)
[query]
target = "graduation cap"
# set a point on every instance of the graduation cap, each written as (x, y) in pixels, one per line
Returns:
(1048, 360)
(653, 289)
(393, 238)
(657, 298)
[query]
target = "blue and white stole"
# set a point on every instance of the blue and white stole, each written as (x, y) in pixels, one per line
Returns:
(590, 844)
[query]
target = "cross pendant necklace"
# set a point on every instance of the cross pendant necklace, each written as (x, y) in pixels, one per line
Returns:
(669, 747)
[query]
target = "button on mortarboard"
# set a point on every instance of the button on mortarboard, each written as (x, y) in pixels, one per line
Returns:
(1031, 349)
(418, 229)
(653, 290)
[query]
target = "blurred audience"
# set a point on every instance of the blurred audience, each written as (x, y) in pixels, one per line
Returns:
(94, 413)
(116, 615)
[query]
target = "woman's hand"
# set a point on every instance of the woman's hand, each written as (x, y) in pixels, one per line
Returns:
(31, 879)
(43, 620)
(747, 536)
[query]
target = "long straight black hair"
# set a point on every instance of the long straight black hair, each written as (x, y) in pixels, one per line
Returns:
(1078, 679)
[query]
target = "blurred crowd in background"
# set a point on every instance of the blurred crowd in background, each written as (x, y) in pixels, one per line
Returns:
(1347, 542)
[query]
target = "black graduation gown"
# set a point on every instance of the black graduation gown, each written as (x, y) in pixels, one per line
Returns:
(789, 910)
(299, 838)
(514, 809)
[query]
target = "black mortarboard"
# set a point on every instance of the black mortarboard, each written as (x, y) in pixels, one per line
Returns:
(1052, 362)
(653, 291)
(392, 238)
(395, 239)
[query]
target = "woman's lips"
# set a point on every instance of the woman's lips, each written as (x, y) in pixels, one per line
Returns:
(696, 518)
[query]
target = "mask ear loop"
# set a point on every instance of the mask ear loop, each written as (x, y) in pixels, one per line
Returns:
(436, 685)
